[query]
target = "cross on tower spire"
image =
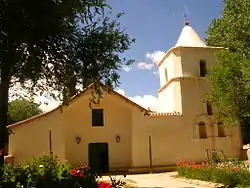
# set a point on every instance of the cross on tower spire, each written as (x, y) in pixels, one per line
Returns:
(186, 22)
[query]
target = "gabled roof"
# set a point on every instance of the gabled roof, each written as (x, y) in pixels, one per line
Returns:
(74, 98)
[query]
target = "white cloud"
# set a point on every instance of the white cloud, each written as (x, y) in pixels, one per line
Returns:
(121, 91)
(146, 101)
(145, 66)
(151, 60)
(156, 56)
(126, 68)
(46, 104)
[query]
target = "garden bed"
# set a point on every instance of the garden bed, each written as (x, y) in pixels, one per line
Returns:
(231, 172)
(48, 171)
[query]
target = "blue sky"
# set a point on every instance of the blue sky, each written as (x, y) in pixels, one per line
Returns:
(156, 26)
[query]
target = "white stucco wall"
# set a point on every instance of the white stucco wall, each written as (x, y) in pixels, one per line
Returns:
(170, 98)
(192, 56)
(173, 65)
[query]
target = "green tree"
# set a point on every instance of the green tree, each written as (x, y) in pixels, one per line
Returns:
(65, 43)
(21, 109)
(99, 46)
(230, 78)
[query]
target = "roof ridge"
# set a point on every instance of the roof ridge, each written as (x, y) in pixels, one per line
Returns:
(73, 98)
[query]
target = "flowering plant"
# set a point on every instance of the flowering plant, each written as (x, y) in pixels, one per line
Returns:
(104, 184)
(229, 173)
(48, 171)
(84, 177)
(191, 164)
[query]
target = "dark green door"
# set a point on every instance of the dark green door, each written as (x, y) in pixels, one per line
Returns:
(99, 157)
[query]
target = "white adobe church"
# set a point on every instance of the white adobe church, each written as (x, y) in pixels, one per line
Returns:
(118, 133)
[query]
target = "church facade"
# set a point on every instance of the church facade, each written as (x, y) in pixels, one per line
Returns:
(118, 133)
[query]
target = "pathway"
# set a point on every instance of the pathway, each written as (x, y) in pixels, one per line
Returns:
(164, 180)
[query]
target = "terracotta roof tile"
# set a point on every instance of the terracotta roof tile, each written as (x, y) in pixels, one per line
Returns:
(164, 114)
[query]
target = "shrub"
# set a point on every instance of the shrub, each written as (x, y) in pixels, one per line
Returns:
(48, 171)
(230, 175)
(13, 176)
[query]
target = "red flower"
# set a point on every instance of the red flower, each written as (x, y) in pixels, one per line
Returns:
(237, 168)
(80, 174)
(196, 166)
(104, 185)
(84, 167)
(76, 172)
(1, 152)
(180, 162)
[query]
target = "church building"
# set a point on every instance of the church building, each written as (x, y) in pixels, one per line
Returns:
(120, 134)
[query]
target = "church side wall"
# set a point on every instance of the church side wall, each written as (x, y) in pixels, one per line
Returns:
(172, 137)
(31, 139)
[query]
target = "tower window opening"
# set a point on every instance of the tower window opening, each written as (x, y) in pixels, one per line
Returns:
(221, 130)
(202, 130)
(166, 75)
(209, 109)
(203, 68)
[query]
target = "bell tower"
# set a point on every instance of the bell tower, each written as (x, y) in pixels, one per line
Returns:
(182, 72)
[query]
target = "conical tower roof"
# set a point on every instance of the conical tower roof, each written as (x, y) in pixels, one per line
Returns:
(189, 38)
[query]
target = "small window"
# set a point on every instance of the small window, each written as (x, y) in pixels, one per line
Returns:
(203, 68)
(166, 75)
(209, 109)
(202, 130)
(221, 130)
(97, 117)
